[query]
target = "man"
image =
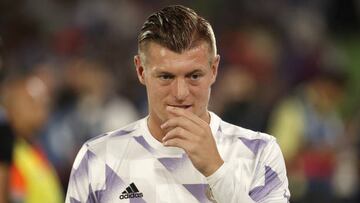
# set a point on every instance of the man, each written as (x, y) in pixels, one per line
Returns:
(32, 177)
(180, 152)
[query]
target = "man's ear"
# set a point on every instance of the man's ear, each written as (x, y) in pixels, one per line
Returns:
(139, 69)
(214, 68)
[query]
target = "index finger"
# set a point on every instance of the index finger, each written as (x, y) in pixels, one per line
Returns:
(187, 114)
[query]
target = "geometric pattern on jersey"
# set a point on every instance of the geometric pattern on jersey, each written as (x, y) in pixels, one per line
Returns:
(130, 161)
(254, 145)
(176, 165)
(272, 181)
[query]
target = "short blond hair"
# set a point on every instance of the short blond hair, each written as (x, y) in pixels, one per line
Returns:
(177, 28)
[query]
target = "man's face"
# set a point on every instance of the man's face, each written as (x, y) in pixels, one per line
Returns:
(180, 80)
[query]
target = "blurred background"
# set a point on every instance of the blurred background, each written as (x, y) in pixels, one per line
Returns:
(289, 68)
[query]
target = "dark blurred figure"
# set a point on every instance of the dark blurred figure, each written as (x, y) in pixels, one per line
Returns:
(236, 102)
(6, 149)
(32, 178)
(248, 87)
(6, 140)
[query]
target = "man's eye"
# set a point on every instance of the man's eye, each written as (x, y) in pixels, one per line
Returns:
(165, 77)
(195, 76)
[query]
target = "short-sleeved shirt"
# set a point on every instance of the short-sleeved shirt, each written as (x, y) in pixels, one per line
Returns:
(130, 165)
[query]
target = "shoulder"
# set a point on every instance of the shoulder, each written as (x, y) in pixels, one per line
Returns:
(248, 143)
(260, 148)
(121, 133)
(113, 142)
(233, 131)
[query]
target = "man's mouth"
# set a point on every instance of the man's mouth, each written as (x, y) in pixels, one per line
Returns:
(181, 106)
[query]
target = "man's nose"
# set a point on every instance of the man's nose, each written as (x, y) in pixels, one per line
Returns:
(181, 89)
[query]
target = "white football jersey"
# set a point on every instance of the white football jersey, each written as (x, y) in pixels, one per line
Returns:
(130, 165)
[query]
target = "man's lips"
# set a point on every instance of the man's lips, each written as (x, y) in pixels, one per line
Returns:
(181, 106)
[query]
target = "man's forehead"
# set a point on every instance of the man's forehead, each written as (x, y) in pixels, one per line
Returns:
(155, 51)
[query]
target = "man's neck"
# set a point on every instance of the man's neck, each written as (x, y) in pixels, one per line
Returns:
(154, 128)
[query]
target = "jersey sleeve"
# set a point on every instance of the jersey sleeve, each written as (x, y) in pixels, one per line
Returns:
(268, 183)
(226, 188)
(79, 183)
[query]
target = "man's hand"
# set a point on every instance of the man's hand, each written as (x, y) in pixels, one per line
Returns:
(191, 133)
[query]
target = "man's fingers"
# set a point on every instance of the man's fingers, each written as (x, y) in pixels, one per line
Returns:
(177, 132)
(176, 142)
(188, 114)
(180, 122)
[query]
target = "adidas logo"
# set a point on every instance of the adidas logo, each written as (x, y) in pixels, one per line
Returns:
(131, 192)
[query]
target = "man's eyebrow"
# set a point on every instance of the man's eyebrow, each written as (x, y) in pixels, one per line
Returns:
(194, 71)
(159, 72)
(163, 72)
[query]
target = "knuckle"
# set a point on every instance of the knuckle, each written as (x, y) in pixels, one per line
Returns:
(181, 131)
(176, 121)
(178, 130)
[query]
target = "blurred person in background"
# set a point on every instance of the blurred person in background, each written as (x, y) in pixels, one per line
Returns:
(32, 177)
(180, 152)
(235, 99)
(309, 127)
(252, 58)
(6, 139)
(88, 105)
(346, 179)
